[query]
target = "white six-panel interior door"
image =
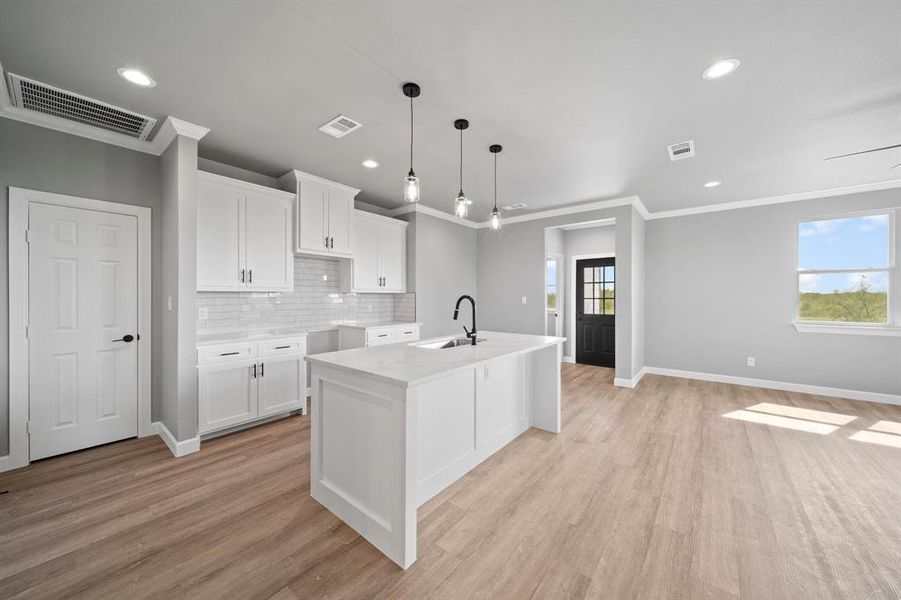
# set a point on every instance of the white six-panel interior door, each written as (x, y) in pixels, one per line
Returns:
(82, 305)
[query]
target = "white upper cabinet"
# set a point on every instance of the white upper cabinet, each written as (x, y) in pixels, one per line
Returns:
(323, 214)
(380, 255)
(243, 236)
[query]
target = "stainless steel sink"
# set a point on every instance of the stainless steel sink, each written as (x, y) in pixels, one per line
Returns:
(451, 343)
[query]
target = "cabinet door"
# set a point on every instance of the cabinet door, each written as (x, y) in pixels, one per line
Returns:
(282, 384)
(269, 260)
(312, 217)
(227, 395)
(220, 237)
(340, 227)
(393, 257)
(366, 272)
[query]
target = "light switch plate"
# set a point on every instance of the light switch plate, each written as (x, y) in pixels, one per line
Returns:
(752, 362)
(524, 299)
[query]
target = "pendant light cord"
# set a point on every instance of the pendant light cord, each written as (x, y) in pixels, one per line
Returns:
(495, 181)
(461, 161)
(411, 133)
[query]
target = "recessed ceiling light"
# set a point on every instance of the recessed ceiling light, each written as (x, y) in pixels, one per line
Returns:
(711, 184)
(370, 164)
(136, 77)
(721, 68)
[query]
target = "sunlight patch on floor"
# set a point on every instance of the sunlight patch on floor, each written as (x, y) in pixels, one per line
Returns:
(886, 427)
(780, 421)
(874, 437)
(802, 413)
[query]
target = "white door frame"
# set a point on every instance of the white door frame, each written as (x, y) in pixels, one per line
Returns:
(19, 200)
(572, 295)
(561, 291)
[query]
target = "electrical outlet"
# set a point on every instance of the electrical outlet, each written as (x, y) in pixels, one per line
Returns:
(203, 313)
(752, 362)
(524, 299)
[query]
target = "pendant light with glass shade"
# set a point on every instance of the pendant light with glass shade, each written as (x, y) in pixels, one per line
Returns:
(411, 183)
(461, 204)
(495, 213)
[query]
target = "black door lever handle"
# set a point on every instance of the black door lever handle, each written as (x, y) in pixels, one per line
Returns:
(126, 338)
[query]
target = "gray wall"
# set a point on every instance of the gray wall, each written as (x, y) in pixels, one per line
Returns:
(41, 159)
(511, 265)
(441, 266)
(721, 287)
(176, 372)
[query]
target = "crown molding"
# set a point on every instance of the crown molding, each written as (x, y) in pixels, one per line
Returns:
(432, 212)
(785, 198)
(170, 129)
(294, 176)
(571, 210)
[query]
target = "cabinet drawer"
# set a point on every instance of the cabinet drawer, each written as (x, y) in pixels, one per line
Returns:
(226, 352)
(279, 347)
(407, 333)
(383, 335)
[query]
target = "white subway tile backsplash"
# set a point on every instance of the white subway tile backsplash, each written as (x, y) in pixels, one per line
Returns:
(315, 303)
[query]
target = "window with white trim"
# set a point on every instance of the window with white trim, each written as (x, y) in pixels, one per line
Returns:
(844, 269)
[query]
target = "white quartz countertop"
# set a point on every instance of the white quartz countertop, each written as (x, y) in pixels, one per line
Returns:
(260, 336)
(238, 335)
(407, 364)
(378, 324)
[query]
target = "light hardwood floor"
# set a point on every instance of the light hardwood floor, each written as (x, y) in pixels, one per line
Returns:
(647, 493)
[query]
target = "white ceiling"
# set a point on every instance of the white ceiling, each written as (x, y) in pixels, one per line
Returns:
(583, 96)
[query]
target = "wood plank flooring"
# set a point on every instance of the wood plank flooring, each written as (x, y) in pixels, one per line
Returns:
(647, 493)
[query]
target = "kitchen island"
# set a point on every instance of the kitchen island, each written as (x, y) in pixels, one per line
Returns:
(392, 426)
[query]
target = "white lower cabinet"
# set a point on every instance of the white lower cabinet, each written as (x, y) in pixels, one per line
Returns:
(367, 336)
(281, 378)
(240, 382)
(227, 394)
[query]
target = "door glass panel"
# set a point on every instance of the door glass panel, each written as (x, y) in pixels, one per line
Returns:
(608, 307)
(609, 274)
(598, 273)
(589, 307)
(597, 307)
(589, 291)
(588, 274)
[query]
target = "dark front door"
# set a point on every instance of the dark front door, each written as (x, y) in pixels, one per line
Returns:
(595, 310)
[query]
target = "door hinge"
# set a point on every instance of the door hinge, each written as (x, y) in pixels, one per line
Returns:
(28, 427)
(26, 332)
(27, 236)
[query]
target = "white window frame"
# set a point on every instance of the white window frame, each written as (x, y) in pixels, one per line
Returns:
(891, 327)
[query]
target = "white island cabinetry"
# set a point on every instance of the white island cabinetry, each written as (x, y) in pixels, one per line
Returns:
(394, 425)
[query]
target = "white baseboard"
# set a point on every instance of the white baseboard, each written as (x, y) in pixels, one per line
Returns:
(780, 385)
(175, 447)
(569, 359)
(629, 383)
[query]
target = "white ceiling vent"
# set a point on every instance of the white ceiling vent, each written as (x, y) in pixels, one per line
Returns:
(681, 150)
(33, 95)
(516, 206)
(340, 126)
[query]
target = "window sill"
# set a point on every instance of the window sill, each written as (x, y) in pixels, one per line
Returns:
(877, 330)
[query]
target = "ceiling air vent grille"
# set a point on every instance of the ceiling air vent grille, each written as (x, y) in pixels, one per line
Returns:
(681, 150)
(340, 126)
(40, 97)
(516, 206)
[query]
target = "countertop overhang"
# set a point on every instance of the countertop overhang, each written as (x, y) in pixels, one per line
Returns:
(407, 364)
